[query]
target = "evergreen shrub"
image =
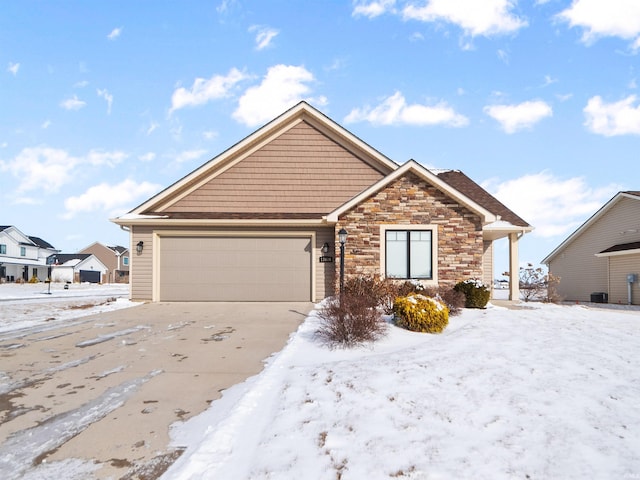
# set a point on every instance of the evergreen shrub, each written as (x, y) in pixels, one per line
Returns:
(420, 313)
(476, 293)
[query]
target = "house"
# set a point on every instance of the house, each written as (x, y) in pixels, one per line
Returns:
(22, 257)
(261, 220)
(595, 261)
(115, 258)
(77, 268)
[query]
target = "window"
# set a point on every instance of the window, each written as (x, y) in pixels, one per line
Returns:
(3, 249)
(23, 251)
(125, 261)
(409, 254)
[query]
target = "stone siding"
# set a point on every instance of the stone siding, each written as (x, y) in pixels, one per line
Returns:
(411, 201)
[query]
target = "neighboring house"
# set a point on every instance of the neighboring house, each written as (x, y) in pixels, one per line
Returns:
(261, 220)
(599, 256)
(115, 258)
(77, 268)
(22, 257)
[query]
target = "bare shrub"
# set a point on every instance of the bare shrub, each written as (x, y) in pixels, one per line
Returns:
(535, 284)
(349, 320)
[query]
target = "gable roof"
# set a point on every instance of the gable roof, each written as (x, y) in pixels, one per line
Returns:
(62, 258)
(41, 243)
(632, 194)
(302, 112)
(429, 177)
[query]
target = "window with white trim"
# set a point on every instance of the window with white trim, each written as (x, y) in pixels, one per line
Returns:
(23, 251)
(409, 254)
(3, 249)
(125, 261)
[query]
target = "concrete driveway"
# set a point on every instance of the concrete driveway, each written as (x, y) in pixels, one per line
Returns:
(106, 388)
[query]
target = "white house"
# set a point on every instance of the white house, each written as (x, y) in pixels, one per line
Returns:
(77, 267)
(23, 257)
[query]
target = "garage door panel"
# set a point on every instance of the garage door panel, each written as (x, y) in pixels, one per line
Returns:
(235, 269)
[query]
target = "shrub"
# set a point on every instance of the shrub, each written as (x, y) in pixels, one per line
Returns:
(536, 285)
(350, 320)
(453, 299)
(476, 293)
(34, 279)
(370, 289)
(419, 313)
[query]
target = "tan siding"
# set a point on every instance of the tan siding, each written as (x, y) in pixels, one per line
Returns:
(620, 266)
(302, 171)
(142, 271)
(581, 272)
(141, 266)
(487, 264)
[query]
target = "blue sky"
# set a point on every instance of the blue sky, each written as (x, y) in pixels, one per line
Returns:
(103, 104)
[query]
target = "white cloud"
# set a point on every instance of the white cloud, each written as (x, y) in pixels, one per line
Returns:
(97, 158)
(394, 110)
(372, 8)
(46, 124)
(189, 155)
(517, 117)
(115, 33)
(554, 206)
(282, 87)
(204, 90)
(112, 199)
(81, 84)
(613, 18)
(152, 127)
(13, 68)
(209, 134)
(611, 119)
(46, 169)
(264, 35)
(486, 17)
(147, 157)
(107, 96)
(73, 103)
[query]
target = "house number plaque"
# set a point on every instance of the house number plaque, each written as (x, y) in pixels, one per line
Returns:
(324, 259)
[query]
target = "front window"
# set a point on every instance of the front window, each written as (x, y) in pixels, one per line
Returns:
(3, 249)
(23, 251)
(125, 260)
(409, 254)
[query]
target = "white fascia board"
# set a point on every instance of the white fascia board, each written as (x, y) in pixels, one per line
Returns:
(165, 222)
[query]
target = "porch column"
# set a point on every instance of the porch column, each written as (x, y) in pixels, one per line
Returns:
(514, 268)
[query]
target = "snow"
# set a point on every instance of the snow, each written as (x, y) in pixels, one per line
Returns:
(543, 391)
(42, 306)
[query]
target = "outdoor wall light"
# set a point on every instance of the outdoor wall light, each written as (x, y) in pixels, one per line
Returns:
(325, 248)
(139, 247)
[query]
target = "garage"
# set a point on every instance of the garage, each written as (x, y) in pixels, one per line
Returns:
(235, 268)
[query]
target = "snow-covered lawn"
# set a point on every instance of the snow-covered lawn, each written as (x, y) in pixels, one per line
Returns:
(40, 305)
(545, 393)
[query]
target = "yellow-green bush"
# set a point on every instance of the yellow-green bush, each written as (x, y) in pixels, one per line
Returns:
(421, 314)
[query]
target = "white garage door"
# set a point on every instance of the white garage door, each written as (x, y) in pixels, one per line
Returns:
(235, 269)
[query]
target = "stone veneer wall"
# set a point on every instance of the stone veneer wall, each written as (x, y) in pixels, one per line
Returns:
(410, 200)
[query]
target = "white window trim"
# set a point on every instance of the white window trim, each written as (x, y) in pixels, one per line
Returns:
(434, 246)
